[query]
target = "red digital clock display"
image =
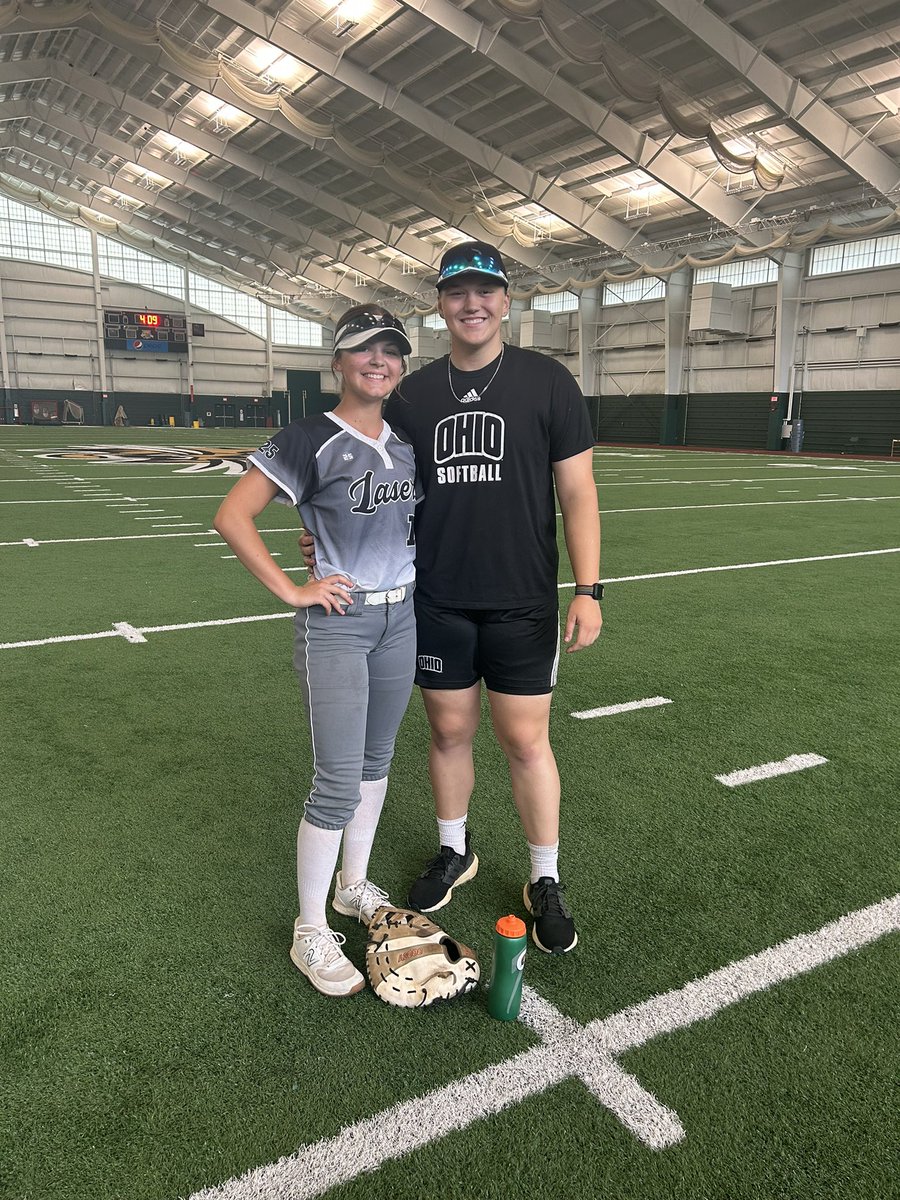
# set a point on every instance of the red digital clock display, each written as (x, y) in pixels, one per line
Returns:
(150, 320)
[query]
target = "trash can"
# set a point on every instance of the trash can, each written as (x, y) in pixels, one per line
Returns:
(797, 437)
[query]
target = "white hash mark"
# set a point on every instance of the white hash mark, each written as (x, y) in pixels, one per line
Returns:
(567, 1050)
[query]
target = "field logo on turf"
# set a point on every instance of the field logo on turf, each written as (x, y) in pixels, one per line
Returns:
(187, 460)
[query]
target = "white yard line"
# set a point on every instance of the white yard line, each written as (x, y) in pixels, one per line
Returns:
(142, 510)
(116, 630)
(178, 475)
(776, 562)
(786, 766)
(77, 637)
(132, 537)
(677, 482)
(90, 500)
(178, 525)
(566, 1051)
(612, 710)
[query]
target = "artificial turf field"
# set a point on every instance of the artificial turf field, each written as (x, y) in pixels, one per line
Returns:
(157, 1043)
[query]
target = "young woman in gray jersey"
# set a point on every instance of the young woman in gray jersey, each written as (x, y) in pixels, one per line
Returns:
(353, 481)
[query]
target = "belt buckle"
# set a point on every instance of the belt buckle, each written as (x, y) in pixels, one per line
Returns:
(394, 595)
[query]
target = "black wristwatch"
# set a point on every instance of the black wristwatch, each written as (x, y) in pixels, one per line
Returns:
(594, 589)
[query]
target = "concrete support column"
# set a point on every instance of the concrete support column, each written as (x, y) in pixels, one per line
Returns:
(678, 311)
(8, 410)
(186, 305)
(516, 308)
(789, 295)
(787, 319)
(589, 305)
(105, 413)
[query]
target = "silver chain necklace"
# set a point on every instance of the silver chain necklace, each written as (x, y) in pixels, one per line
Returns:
(472, 396)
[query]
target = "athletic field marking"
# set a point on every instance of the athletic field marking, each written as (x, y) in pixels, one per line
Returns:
(90, 500)
(128, 632)
(219, 544)
(787, 766)
(744, 504)
(116, 631)
(606, 512)
(135, 478)
(155, 513)
(29, 541)
(775, 562)
(612, 709)
(566, 1051)
(787, 491)
(78, 637)
(177, 525)
(627, 483)
(133, 537)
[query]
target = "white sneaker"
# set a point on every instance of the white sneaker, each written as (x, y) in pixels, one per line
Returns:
(361, 900)
(317, 953)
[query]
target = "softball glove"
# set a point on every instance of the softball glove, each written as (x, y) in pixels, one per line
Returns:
(411, 962)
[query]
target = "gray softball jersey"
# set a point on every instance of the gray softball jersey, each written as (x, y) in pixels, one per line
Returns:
(355, 494)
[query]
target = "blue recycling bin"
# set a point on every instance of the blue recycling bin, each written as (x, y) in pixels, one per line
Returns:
(797, 437)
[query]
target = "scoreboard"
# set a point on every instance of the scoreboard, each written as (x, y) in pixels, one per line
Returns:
(153, 332)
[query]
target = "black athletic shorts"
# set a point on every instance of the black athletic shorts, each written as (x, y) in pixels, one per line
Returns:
(514, 650)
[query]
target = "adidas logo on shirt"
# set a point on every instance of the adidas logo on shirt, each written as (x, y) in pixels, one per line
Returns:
(471, 397)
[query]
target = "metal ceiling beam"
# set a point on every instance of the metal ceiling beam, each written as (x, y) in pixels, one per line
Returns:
(92, 135)
(423, 198)
(394, 238)
(258, 249)
(134, 220)
(256, 168)
(639, 148)
(814, 117)
(529, 184)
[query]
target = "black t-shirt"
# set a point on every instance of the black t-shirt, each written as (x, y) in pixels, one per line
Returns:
(486, 527)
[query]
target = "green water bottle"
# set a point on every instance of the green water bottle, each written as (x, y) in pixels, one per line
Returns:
(505, 987)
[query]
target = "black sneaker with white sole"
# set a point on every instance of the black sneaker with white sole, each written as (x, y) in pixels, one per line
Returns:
(554, 929)
(447, 870)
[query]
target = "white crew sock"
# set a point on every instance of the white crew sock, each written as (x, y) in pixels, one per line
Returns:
(360, 833)
(317, 853)
(543, 861)
(453, 833)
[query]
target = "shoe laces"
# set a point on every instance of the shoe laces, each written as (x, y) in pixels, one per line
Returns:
(324, 945)
(441, 861)
(367, 895)
(547, 898)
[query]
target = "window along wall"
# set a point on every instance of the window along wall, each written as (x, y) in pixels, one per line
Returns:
(32, 235)
(856, 256)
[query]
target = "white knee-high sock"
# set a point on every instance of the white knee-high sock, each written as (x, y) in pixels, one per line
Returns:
(360, 833)
(317, 853)
(453, 833)
(544, 861)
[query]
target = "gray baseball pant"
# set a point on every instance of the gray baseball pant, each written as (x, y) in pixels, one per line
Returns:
(356, 676)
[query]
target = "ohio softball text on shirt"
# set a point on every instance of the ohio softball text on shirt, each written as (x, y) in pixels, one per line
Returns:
(467, 435)
(356, 495)
(486, 523)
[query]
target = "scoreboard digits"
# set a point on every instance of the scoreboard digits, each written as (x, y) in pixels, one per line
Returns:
(154, 332)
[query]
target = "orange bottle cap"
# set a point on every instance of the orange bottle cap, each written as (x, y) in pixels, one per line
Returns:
(511, 927)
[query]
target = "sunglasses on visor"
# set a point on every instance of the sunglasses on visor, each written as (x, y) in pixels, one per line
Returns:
(366, 322)
(472, 260)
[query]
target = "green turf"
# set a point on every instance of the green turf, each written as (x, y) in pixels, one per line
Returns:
(154, 1037)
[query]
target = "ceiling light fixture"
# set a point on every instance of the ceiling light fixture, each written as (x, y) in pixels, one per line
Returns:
(348, 15)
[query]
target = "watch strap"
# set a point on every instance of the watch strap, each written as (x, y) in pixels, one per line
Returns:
(595, 590)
